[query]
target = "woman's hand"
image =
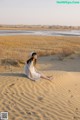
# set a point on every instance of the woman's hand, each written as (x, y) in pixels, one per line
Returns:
(31, 75)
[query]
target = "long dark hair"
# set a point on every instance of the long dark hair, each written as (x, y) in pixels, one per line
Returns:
(31, 59)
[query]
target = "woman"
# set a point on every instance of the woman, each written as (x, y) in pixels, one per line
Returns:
(30, 69)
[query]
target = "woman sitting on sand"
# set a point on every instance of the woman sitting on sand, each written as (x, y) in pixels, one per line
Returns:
(31, 71)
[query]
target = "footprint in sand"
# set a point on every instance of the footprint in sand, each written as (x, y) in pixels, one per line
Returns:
(69, 91)
(29, 113)
(69, 101)
(40, 98)
(76, 108)
(11, 85)
(72, 96)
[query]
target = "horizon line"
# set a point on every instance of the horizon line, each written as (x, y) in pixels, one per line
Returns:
(37, 25)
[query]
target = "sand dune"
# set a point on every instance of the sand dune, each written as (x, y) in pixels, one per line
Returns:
(58, 99)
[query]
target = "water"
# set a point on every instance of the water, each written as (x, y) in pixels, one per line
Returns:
(40, 32)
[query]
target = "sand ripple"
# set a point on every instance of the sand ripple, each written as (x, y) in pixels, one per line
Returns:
(24, 99)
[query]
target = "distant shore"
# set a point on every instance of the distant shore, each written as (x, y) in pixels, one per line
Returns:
(38, 27)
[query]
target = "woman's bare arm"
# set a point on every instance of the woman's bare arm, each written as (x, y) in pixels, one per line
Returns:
(37, 70)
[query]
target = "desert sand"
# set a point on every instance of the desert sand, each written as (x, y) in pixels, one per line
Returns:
(57, 99)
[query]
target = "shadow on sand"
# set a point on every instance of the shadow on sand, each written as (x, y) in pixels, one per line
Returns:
(14, 74)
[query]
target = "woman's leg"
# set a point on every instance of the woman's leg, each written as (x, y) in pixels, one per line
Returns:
(50, 76)
(45, 77)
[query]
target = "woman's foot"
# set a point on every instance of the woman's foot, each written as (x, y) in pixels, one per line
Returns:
(50, 78)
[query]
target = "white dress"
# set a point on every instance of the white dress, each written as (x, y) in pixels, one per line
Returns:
(31, 72)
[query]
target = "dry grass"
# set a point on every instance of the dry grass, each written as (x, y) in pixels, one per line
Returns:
(9, 62)
(18, 47)
(65, 53)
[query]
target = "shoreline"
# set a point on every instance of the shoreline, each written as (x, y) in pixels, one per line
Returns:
(40, 32)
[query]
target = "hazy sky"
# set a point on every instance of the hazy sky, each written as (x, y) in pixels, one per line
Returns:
(38, 12)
